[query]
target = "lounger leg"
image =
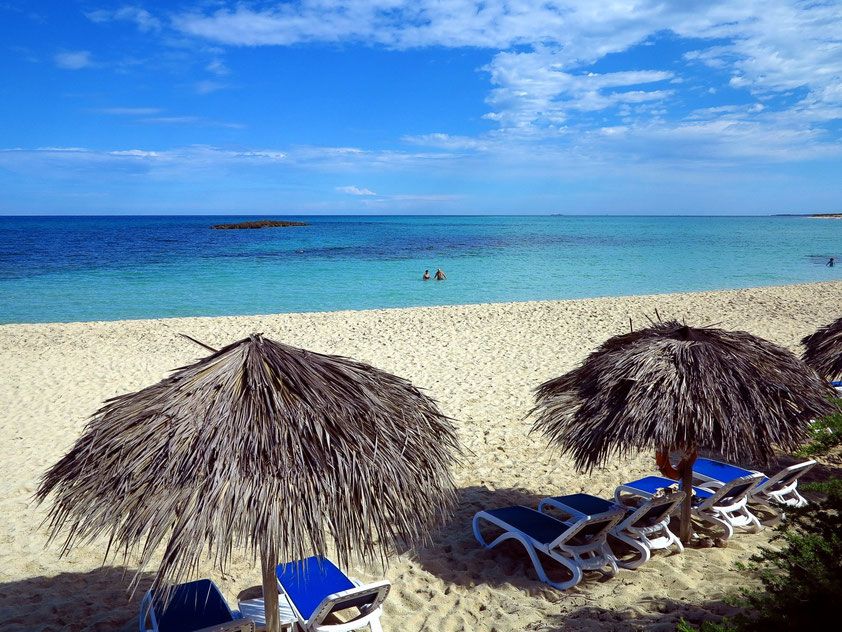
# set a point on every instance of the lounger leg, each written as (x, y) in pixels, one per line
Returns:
(729, 530)
(638, 546)
(533, 555)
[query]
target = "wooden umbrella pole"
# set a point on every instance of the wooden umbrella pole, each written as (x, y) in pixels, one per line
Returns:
(269, 561)
(686, 470)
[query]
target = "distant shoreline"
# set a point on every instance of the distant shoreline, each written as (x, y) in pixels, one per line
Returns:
(826, 216)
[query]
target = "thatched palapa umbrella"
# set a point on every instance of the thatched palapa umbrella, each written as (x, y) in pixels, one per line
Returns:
(823, 350)
(262, 446)
(674, 387)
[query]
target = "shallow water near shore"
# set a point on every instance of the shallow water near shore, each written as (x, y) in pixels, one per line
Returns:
(55, 269)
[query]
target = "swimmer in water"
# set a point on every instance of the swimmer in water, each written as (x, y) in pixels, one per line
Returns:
(440, 276)
(426, 276)
(830, 263)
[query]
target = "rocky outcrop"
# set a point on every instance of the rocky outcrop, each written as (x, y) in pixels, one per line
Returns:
(263, 223)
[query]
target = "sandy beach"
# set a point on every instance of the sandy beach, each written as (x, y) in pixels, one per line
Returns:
(480, 362)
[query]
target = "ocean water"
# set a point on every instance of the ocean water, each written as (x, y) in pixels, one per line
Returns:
(58, 269)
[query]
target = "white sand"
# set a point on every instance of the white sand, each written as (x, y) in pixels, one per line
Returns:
(480, 362)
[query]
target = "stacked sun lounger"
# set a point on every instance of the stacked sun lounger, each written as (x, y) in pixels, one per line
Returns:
(581, 532)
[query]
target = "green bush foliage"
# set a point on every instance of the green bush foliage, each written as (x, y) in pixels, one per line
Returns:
(825, 433)
(707, 626)
(802, 581)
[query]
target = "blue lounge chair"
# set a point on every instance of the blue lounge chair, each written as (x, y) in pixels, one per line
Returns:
(724, 507)
(578, 545)
(644, 528)
(780, 488)
(192, 607)
(316, 588)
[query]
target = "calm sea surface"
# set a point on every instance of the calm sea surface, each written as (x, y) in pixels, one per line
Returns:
(107, 268)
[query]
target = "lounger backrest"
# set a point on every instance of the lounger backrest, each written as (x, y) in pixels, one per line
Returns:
(788, 475)
(315, 587)
(733, 491)
(654, 510)
(589, 529)
(186, 607)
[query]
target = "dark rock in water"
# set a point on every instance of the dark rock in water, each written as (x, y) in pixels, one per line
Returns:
(263, 223)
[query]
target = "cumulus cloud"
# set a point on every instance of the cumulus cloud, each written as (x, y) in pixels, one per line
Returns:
(354, 190)
(73, 60)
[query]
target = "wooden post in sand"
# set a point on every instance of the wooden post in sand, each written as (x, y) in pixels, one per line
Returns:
(686, 529)
(268, 562)
(686, 471)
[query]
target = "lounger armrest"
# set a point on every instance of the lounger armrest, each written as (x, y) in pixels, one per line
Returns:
(378, 591)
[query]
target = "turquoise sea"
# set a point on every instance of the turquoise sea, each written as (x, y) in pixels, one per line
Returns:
(56, 269)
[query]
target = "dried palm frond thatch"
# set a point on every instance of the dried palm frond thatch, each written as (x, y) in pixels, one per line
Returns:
(262, 446)
(823, 350)
(674, 387)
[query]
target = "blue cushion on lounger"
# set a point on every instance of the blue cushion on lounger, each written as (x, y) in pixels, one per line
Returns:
(307, 582)
(719, 471)
(653, 484)
(192, 606)
(586, 503)
(649, 484)
(536, 525)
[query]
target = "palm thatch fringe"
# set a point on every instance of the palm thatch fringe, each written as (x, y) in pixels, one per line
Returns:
(823, 350)
(263, 446)
(671, 386)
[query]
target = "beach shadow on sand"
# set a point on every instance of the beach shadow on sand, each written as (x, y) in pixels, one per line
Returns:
(455, 556)
(96, 601)
(651, 614)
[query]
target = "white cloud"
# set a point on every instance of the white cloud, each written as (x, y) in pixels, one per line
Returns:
(533, 90)
(354, 190)
(144, 20)
(73, 60)
(138, 153)
(447, 141)
(540, 51)
(217, 67)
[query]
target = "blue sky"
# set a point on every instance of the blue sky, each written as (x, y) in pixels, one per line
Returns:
(387, 106)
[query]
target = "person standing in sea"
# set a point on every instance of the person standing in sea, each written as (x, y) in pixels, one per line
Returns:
(440, 276)
(830, 263)
(426, 276)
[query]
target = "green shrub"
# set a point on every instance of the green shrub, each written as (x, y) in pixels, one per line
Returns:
(802, 581)
(825, 433)
(707, 626)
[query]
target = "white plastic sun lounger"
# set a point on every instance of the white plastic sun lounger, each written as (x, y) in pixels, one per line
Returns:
(724, 507)
(577, 545)
(644, 528)
(316, 588)
(782, 488)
